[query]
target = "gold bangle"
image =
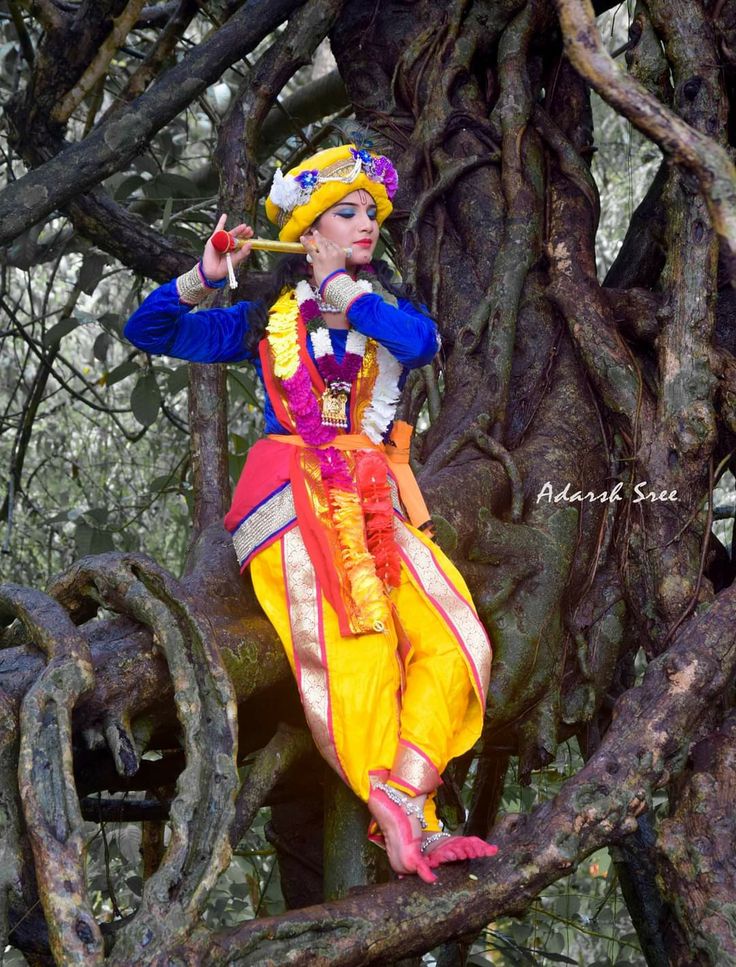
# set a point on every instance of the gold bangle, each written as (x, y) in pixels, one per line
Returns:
(190, 287)
(340, 291)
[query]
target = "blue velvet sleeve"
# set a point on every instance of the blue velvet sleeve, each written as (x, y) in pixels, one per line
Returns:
(407, 333)
(164, 325)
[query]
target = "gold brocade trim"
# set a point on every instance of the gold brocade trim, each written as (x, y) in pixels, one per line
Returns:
(458, 612)
(308, 642)
(343, 170)
(362, 391)
(414, 769)
(275, 513)
(190, 288)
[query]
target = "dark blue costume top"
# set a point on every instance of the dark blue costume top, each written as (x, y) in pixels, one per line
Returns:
(164, 325)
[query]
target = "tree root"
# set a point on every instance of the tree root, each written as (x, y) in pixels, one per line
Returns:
(203, 809)
(477, 434)
(45, 774)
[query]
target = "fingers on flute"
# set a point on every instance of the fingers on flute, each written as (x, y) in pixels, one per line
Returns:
(241, 255)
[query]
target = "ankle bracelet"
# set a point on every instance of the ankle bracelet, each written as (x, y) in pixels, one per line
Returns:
(403, 800)
(433, 839)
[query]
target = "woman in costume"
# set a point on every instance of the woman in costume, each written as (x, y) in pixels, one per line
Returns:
(390, 658)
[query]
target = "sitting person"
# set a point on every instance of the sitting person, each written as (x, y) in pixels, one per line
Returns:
(390, 658)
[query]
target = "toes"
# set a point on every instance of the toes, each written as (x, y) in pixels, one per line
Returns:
(424, 872)
(485, 849)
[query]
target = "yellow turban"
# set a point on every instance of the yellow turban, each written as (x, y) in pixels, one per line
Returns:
(299, 197)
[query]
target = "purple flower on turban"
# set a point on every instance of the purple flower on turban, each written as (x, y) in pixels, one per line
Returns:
(384, 171)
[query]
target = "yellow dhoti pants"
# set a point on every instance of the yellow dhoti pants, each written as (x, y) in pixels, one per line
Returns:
(393, 706)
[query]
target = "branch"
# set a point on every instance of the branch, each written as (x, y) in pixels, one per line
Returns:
(240, 130)
(707, 160)
(286, 748)
(156, 57)
(696, 841)
(126, 236)
(110, 147)
(98, 68)
(323, 96)
(46, 13)
(649, 738)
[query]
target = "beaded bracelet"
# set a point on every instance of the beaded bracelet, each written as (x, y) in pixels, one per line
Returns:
(341, 292)
(328, 277)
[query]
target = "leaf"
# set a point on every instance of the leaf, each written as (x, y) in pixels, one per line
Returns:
(178, 380)
(56, 333)
(166, 217)
(111, 322)
(162, 482)
(144, 162)
(121, 372)
(145, 400)
(102, 346)
(91, 272)
(136, 885)
(91, 540)
(168, 185)
(129, 843)
(188, 235)
(235, 462)
(556, 958)
(127, 186)
(242, 384)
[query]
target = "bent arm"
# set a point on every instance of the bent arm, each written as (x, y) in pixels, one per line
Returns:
(165, 326)
(407, 333)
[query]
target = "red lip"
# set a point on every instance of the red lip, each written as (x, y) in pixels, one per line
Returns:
(365, 241)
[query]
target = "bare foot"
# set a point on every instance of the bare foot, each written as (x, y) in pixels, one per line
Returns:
(458, 848)
(402, 836)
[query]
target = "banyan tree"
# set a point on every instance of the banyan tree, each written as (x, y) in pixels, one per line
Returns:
(570, 440)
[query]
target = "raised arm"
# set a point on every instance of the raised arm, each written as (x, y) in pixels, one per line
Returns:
(407, 333)
(165, 324)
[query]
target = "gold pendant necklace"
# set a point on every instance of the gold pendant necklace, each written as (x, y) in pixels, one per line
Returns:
(334, 406)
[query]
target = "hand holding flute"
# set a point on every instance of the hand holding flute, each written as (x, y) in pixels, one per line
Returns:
(226, 250)
(214, 262)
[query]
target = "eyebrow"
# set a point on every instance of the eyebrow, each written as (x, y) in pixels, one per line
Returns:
(353, 204)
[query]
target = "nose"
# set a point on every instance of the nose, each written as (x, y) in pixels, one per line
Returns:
(366, 223)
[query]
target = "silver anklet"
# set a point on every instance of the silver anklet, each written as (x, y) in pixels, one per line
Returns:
(433, 839)
(403, 800)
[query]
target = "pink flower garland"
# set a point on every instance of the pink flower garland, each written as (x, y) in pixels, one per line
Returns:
(304, 406)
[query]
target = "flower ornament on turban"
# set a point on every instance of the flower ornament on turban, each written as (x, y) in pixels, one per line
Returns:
(299, 197)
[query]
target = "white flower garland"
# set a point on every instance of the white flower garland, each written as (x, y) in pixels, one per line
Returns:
(385, 398)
